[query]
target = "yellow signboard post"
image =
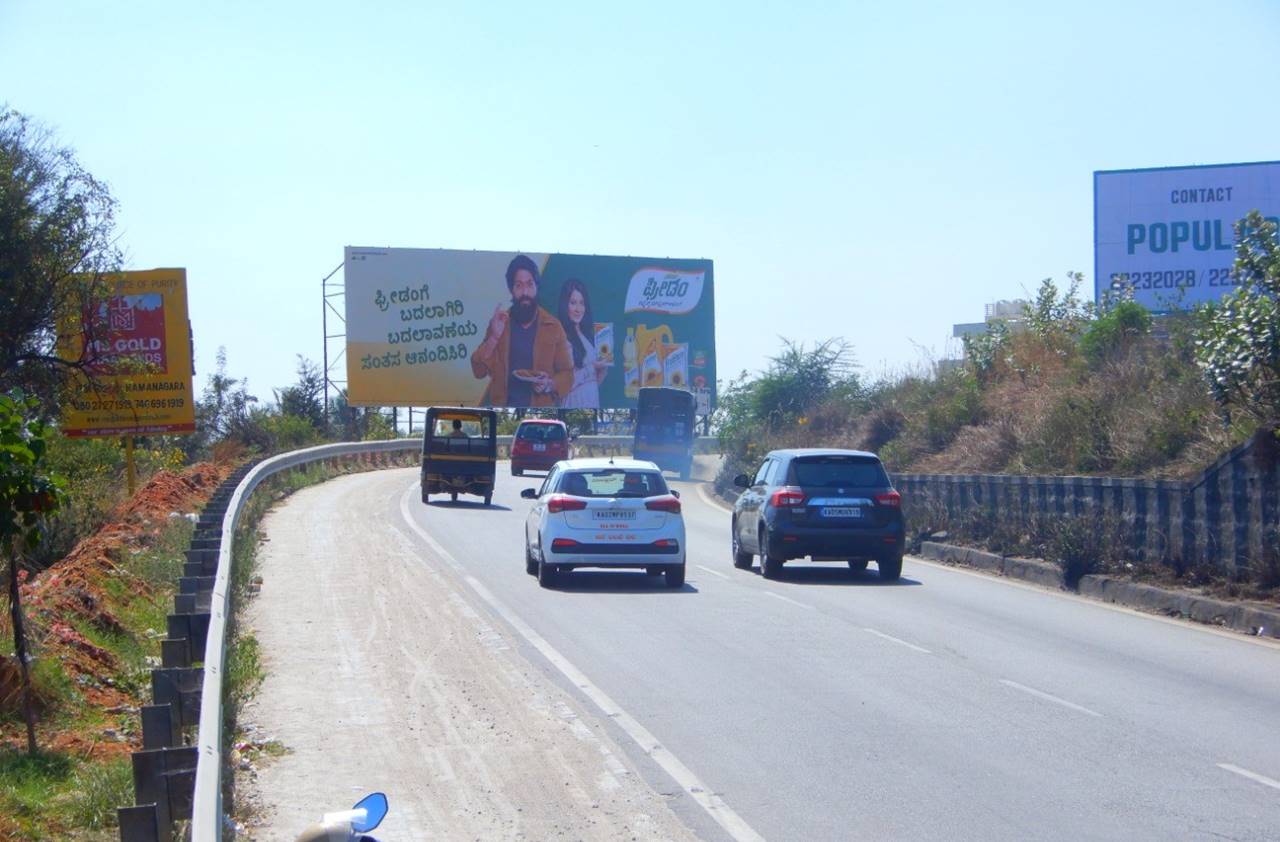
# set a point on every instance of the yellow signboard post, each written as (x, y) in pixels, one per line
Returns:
(139, 359)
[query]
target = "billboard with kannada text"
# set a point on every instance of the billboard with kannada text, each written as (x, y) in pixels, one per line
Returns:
(525, 329)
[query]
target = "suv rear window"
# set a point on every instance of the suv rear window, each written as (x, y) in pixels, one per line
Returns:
(540, 432)
(613, 482)
(825, 471)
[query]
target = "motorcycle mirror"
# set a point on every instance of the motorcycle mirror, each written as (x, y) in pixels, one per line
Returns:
(375, 807)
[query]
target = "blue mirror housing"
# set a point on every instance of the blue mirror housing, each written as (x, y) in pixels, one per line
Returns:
(375, 806)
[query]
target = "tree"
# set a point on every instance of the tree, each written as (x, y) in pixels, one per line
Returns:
(799, 378)
(28, 496)
(1056, 318)
(224, 406)
(1239, 343)
(56, 247)
(305, 399)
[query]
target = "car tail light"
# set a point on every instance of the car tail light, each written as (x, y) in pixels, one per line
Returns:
(670, 505)
(519, 446)
(892, 499)
(666, 542)
(563, 544)
(562, 503)
(787, 497)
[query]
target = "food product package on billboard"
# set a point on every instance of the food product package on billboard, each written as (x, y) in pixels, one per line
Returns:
(604, 342)
(675, 366)
(509, 329)
(651, 370)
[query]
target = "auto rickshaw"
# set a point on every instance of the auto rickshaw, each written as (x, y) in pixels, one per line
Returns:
(459, 452)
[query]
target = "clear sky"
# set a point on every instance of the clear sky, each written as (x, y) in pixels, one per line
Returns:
(876, 171)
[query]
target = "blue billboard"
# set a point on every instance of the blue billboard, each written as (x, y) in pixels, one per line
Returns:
(1169, 231)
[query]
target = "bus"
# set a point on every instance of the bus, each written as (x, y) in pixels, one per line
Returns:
(665, 428)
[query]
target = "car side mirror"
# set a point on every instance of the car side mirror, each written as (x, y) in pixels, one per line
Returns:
(529, 494)
(742, 481)
(675, 494)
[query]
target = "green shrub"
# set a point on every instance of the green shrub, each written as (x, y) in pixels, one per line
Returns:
(96, 483)
(289, 432)
(1079, 546)
(1071, 438)
(378, 428)
(97, 790)
(1115, 331)
(955, 403)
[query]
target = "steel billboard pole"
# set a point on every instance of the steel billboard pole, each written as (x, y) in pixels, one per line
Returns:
(325, 307)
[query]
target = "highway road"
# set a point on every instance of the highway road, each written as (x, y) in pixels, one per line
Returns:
(951, 705)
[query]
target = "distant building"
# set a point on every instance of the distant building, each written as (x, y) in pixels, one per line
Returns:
(946, 366)
(1012, 313)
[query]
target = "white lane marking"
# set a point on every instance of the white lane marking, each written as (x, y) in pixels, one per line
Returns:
(897, 640)
(786, 599)
(715, 807)
(1048, 697)
(711, 501)
(1253, 776)
(712, 572)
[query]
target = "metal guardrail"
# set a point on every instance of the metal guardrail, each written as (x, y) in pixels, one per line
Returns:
(206, 810)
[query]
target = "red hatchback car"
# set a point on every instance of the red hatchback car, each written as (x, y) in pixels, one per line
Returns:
(538, 444)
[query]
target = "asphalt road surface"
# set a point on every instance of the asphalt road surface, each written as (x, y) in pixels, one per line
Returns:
(950, 705)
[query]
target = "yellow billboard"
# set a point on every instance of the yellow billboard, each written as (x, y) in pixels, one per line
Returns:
(136, 343)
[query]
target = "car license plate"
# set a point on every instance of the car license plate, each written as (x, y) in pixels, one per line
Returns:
(841, 511)
(615, 514)
(539, 448)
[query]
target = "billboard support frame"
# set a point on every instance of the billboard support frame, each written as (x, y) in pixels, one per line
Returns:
(328, 292)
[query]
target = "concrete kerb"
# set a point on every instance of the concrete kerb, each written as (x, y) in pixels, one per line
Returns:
(1242, 617)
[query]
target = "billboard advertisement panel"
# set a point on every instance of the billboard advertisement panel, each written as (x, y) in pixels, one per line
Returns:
(1169, 232)
(525, 329)
(139, 354)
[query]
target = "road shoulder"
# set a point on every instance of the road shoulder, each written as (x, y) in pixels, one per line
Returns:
(382, 675)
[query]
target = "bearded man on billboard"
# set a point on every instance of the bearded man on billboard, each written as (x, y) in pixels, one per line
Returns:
(525, 352)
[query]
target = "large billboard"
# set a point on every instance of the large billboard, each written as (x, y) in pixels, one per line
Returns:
(1169, 233)
(523, 329)
(136, 342)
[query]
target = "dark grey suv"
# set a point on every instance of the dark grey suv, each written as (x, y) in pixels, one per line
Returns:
(829, 505)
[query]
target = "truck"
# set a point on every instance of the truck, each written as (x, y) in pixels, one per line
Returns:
(665, 429)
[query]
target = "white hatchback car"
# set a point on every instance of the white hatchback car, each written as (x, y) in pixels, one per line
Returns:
(615, 513)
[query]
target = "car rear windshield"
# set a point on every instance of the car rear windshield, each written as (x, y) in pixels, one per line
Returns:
(613, 482)
(825, 471)
(540, 432)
